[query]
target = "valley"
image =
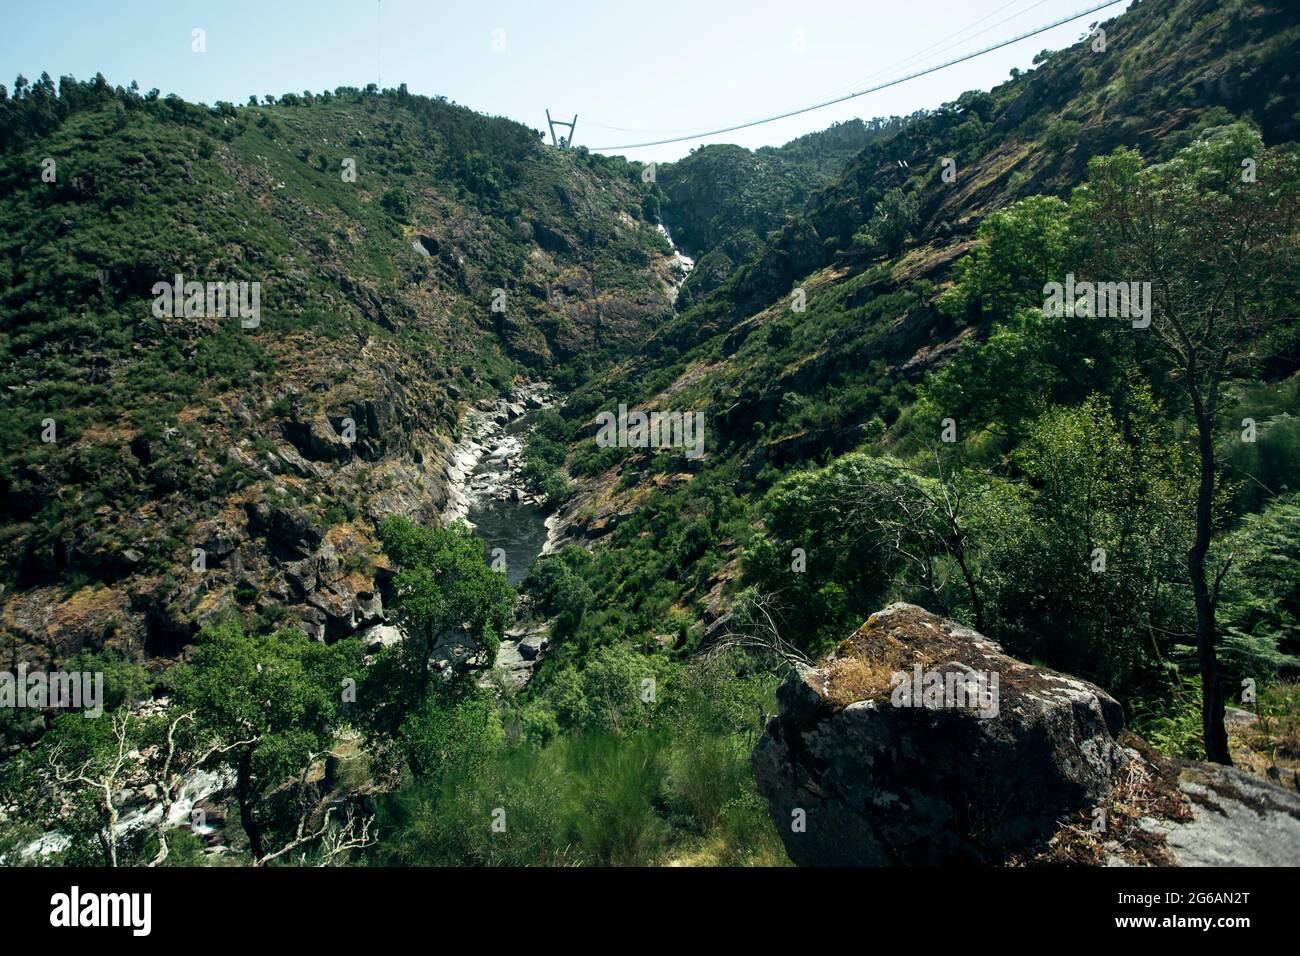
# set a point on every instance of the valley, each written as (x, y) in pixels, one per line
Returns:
(429, 495)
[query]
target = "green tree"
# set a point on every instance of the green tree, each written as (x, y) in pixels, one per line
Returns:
(870, 525)
(452, 731)
(1026, 364)
(273, 703)
(891, 224)
(1021, 249)
(1089, 572)
(445, 592)
(1214, 232)
(72, 781)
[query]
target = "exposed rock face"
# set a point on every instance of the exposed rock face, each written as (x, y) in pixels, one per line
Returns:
(522, 647)
(932, 782)
(1234, 819)
(899, 749)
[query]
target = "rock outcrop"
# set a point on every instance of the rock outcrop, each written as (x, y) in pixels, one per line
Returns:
(1231, 819)
(919, 742)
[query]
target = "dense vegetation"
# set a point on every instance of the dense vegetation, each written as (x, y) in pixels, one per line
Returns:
(379, 225)
(1076, 443)
(894, 412)
(721, 202)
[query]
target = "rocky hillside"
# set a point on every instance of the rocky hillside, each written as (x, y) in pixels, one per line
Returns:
(1191, 63)
(874, 760)
(412, 256)
(887, 415)
(819, 341)
(722, 201)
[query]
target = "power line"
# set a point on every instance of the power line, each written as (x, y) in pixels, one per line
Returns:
(695, 130)
(871, 89)
(911, 60)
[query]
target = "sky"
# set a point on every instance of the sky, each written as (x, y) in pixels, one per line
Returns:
(631, 71)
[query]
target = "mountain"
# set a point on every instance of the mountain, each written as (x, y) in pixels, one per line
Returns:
(722, 201)
(860, 398)
(379, 303)
(834, 336)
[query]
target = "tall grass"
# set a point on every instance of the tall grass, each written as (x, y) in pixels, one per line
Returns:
(584, 799)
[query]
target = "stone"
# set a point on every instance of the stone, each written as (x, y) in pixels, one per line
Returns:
(535, 644)
(856, 772)
(1236, 820)
(881, 781)
(313, 623)
(380, 636)
(1235, 717)
(301, 575)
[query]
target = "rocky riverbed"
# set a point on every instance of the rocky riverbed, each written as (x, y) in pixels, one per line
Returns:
(486, 490)
(487, 461)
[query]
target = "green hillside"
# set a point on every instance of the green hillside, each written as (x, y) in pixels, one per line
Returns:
(377, 295)
(892, 409)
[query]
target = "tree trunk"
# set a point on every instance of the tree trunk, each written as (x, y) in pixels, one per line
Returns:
(106, 846)
(244, 797)
(977, 606)
(1212, 691)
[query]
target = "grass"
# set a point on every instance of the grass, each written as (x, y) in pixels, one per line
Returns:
(587, 799)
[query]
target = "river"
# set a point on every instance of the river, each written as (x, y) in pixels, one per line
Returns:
(511, 529)
(485, 485)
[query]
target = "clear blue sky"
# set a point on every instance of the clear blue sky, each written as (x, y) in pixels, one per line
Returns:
(664, 65)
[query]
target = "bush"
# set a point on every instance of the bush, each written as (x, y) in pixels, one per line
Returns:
(450, 736)
(891, 225)
(397, 205)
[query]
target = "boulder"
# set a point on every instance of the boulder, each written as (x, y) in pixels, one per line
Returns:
(901, 748)
(535, 643)
(510, 667)
(1234, 819)
(375, 639)
(979, 761)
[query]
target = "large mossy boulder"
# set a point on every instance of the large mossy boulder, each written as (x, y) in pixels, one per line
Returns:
(918, 742)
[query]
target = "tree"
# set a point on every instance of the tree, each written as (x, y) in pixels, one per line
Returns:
(864, 522)
(272, 705)
(87, 763)
(396, 203)
(453, 730)
(1089, 569)
(1026, 364)
(1214, 233)
(891, 224)
(1020, 249)
(445, 592)
(76, 778)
